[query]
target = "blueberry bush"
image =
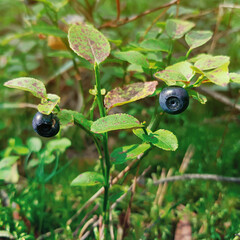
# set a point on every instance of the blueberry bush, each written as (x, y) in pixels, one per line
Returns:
(126, 145)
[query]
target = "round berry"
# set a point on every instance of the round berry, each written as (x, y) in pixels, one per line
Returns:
(173, 99)
(45, 125)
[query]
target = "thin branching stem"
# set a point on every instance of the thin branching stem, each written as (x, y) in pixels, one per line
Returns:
(106, 151)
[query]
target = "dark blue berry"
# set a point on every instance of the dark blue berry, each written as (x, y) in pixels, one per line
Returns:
(45, 125)
(173, 99)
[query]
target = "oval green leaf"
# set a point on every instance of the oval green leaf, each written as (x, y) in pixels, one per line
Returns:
(58, 145)
(88, 43)
(209, 62)
(155, 45)
(219, 76)
(55, 5)
(177, 28)
(183, 67)
(69, 118)
(47, 105)
(129, 93)
(34, 144)
(133, 57)
(123, 154)
(88, 179)
(196, 39)
(48, 30)
(8, 161)
(32, 85)
(115, 122)
(235, 77)
(171, 77)
(163, 139)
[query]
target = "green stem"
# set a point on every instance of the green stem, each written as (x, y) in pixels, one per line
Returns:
(198, 82)
(99, 95)
(106, 151)
(169, 57)
(153, 125)
(188, 53)
(79, 84)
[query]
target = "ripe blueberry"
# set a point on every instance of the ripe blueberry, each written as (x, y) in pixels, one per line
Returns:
(45, 125)
(173, 99)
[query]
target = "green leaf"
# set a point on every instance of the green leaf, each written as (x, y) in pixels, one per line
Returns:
(58, 145)
(46, 156)
(219, 76)
(49, 30)
(171, 77)
(88, 179)
(47, 105)
(196, 39)
(20, 150)
(129, 93)
(10, 174)
(209, 62)
(155, 45)
(34, 144)
(6, 234)
(69, 118)
(184, 68)
(32, 85)
(199, 97)
(197, 70)
(8, 161)
(60, 54)
(177, 28)
(163, 139)
(133, 57)
(135, 68)
(235, 77)
(56, 5)
(88, 43)
(123, 154)
(66, 117)
(115, 122)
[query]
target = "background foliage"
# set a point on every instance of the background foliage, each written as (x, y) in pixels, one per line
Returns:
(36, 200)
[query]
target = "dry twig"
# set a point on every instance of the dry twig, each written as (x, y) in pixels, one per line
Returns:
(114, 24)
(219, 97)
(212, 177)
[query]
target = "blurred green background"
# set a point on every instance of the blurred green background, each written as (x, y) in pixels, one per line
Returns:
(29, 46)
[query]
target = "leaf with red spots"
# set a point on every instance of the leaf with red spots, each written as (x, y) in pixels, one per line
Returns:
(177, 28)
(88, 179)
(163, 139)
(115, 122)
(32, 85)
(66, 118)
(69, 118)
(219, 76)
(133, 57)
(47, 105)
(209, 62)
(88, 43)
(125, 153)
(184, 68)
(171, 77)
(196, 39)
(235, 77)
(129, 93)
